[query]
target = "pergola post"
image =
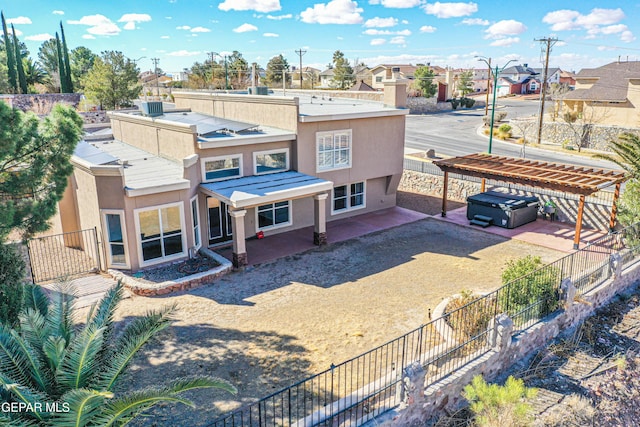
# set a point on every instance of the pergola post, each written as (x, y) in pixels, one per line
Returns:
(320, 219)
(614, 207)
(576, 239)
(444, 193)
(239, 254)
(483, 183)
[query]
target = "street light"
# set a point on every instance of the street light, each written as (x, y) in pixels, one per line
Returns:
(495, 89)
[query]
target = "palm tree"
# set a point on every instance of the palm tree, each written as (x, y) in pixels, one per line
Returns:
(33, 72)
(627, 149)
(49, 360)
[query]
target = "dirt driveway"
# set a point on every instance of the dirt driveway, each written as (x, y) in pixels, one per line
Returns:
(277, 323)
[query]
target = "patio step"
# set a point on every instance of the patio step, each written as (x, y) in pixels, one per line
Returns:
(481, 220)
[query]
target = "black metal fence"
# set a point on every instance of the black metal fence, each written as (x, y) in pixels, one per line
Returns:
(64, 255)
(358, 390)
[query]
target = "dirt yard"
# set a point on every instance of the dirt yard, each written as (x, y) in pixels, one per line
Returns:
(277, 323)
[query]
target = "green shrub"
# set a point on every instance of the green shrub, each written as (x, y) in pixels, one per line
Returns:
(505, 128)
(11, 284)
(528, 284)
(469, 320)
(454, 103)
(495, 405)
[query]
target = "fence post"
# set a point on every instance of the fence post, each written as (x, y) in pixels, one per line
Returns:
(615, 265)
(501, 330)
(567, 292)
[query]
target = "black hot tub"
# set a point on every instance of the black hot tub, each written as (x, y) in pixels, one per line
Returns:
(507, 210)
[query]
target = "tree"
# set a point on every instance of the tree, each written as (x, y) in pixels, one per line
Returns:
(113, 81)
(48, 58)
(465, 83)
(277, 67)
(66, 62)
(64, 88)
(238, 68)
(343, 77)
(22, 80)
(424, 81)
(82, 59)
(34, 166)
(11, 278)
(11, 59)
(49, 359)
(4, 71)
(581, 123)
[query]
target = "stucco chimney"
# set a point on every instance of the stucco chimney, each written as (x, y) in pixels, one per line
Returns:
(395, 92)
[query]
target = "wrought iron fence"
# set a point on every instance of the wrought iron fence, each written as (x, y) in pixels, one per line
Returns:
(64, 255)
(358, 390)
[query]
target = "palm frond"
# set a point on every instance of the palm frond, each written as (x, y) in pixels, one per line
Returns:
(36, 299)
(84, 405)
(79, 362)
(60, 316)
(19, 361)
(102, 316)
(54, 349)
(21, 393)
(136, 334)
(33, 327)
(627, 153)
(121, 410)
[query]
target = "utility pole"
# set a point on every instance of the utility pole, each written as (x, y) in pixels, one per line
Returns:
(486, 102)
(211, 59)
(549, 42)
(155, 70)
(300, 52)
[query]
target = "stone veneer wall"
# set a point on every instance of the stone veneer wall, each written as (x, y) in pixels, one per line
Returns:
(598, 138)
(425, 404)
(41, 104)
(596, 213)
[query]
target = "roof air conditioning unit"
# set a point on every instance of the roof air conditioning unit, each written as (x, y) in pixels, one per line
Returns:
(151, 108)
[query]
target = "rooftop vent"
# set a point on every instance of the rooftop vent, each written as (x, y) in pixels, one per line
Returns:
(151, 108)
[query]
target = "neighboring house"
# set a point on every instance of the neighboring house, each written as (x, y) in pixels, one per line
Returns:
(518, 79)
(225, 167)
(361, 86)
(309, 74)
(384, 71)
(360, 72)
(180, 76)
(568, 78)
(608, 94)
(326, 78)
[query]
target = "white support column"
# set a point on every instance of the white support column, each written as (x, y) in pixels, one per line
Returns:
(239, 247)
(320, 219)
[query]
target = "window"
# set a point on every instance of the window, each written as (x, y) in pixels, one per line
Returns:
(273, 215)
(379, 79)
(195, 218)
(160, 232)
(116, 238)
(271, 161)
(218, 168)
(347, 197)
(333, 150)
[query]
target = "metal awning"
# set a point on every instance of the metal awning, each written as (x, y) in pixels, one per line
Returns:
(258, 190)
(556, 176)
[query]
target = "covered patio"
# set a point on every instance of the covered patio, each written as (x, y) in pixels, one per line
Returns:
(573, 179)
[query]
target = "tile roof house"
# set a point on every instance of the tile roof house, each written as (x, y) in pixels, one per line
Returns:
(380, 72)
(224, 167)
(611, 92)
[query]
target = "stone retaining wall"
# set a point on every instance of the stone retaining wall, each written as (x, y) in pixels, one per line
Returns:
(41, 104)
(597, 138)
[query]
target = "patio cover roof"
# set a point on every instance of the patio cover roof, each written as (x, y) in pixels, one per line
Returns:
(264, 189)
(556, 176)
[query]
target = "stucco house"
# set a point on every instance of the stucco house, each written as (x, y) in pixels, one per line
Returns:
(222, 168)
(610, 93)
(381, 72)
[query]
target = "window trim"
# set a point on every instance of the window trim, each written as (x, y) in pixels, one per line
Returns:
(210, 159)
(349, 208)
(333, 134)
(136, 215)
(274, 226)
(196, 228)
(277, 150)
(125, 243)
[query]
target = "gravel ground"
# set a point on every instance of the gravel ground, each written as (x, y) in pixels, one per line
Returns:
(274, 324)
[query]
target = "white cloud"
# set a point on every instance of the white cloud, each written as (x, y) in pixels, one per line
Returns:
(381, 22)
(378, 42)
(88, 37)
(99, 25)
(374, 32)
(271, 35)
(165, 37)
(17, 32)
(58, 12)
(280, 17)
(505, 42)
(168, 17)
(19, 20)
(334, 12)
(565, 20)
(450, 10)
(257, 5)
(398, 4)
(184, 53)
(562, 20)
(427, 29)
(398, 40)
(627, 37)
(405, 22)
(600, 17)
(131, 19)
(475, 21)
(507, 27)
(40, 37)
(245, 28)
(183, 27)
(200, 30)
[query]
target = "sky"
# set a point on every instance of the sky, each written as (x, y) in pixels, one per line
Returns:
(449, 34)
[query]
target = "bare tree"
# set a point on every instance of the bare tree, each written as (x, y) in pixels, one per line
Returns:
(580, 123)
(523, 125)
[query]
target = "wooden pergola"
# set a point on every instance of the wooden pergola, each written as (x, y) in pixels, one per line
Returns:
(573, 179)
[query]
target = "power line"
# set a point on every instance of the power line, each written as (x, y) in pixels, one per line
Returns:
(300, 52)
